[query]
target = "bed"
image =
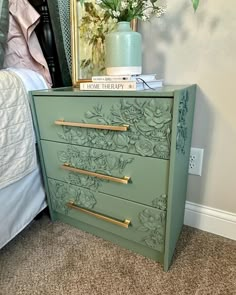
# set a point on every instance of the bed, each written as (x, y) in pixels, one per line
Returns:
(29, 59)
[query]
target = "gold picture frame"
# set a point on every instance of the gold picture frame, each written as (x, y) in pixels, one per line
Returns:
(89, 25)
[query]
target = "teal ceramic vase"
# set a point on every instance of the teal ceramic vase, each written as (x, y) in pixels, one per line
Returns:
(123, 49)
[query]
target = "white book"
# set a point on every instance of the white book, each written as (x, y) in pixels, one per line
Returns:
(139, 84)
(112, 86)
(119, 78)
(111, 78)
(145, 85)
(145, 77)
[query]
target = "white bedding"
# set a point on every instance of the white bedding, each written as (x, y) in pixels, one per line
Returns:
(30, 79)
(20, 202)
(17, 153)
(22, 194)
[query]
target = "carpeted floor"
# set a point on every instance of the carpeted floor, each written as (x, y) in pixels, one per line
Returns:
(57, 259)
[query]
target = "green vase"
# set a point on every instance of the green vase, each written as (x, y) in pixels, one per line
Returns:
(123, 48)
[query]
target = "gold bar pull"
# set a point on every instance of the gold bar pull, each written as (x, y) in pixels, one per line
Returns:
(123, 180)
(94, 126)
(124, 223)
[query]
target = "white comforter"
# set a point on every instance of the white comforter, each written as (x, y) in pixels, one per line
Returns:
(17, 142)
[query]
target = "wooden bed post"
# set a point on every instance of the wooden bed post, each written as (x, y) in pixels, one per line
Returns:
(46, 39)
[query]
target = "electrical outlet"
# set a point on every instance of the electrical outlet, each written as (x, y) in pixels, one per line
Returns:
(195, 161)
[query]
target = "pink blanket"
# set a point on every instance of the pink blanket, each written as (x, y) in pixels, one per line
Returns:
(23, 48)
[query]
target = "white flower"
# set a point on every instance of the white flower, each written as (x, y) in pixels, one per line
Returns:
(161, 11)
(147, 14)
(126, 10)
(144, 18)
(148, 8)
(116, 13)
(123, 5)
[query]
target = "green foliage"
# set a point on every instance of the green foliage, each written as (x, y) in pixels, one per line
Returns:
(127, 10)
(195, 4)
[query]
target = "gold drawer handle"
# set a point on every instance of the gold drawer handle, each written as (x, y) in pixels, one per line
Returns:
(124, 223)
(94, 126)
(123, 180)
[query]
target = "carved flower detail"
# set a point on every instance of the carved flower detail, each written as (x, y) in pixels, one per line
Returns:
(73, 135)
(157, 116)
(57, 192)
(144, 147)
(162, 148)
(61, 193)
(100, 163)
(100, 139)
(155, 133)
(182, 130)
(93, 160)
(121, 140)
(86, 199)
(131, 113)
(150, 220)
(83, 180)
(154, 224)
(155, 240)
(160, 202)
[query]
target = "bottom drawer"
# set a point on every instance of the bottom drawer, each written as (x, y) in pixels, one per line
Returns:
(132, 221)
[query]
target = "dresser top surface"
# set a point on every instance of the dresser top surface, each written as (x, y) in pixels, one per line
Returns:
(166, 91)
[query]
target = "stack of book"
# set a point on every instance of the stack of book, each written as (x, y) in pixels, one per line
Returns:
(128, 83)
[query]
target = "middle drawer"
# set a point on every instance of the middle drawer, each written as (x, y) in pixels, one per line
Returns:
(148, 177)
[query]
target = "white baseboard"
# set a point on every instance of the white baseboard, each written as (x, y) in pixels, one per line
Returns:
(212, 220)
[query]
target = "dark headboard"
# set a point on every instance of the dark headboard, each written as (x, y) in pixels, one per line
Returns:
(46, 38)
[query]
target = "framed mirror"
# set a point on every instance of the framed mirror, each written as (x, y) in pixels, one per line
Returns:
(89, 25)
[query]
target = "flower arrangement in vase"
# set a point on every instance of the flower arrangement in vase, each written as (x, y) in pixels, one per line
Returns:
(97, 19)
(123, 47)
(127, 10)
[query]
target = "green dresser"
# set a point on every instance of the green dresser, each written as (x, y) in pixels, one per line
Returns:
(115, 164)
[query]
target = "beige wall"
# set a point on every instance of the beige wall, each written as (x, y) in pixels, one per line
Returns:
(200, 48)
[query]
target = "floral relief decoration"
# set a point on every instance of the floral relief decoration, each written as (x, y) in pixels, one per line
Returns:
(160, 202)
(90, 182)
(149, 131)
(182, 129)
(153, 222)
(61, 193)
(92, 160)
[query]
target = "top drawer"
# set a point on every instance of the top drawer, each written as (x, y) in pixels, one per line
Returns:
(148, 121)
